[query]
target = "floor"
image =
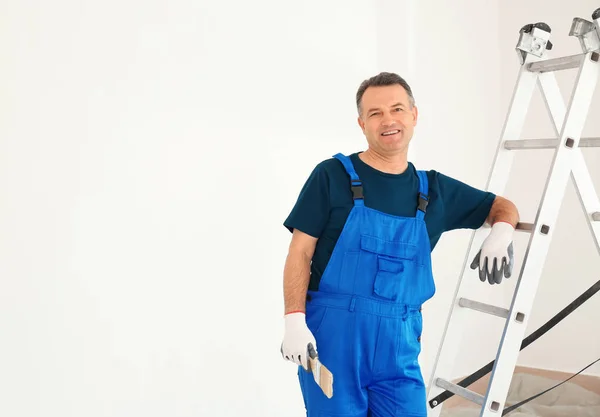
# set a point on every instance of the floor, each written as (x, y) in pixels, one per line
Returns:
(580, 397)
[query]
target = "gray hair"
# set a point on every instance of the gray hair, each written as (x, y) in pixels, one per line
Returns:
(383, 79)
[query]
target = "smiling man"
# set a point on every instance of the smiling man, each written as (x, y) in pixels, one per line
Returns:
(358, 268)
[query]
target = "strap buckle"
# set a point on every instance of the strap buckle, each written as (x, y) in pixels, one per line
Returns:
(423, 202)
(357, 189)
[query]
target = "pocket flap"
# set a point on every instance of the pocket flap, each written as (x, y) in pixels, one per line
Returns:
(390, 265)
(387, 248)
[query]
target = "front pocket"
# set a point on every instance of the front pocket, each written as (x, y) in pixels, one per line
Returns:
(399, 250)
(390, 262)
(399, 280)
(389, 278)
(396, 270)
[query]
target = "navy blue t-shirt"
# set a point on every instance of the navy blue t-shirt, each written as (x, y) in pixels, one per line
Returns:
(325, 202)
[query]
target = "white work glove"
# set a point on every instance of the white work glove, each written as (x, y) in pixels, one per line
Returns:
(495, 259)
(296, 339)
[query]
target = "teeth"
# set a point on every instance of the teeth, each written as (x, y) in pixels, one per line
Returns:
(393, 132)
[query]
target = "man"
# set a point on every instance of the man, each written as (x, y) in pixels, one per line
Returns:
(359, 262)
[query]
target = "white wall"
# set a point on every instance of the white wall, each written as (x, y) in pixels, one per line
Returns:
(149, 155)
(573, 262)
(458, 93)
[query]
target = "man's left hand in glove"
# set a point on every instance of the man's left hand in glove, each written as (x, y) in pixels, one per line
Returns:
(495, 259)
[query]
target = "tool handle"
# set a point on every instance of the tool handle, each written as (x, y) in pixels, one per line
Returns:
(312, 353)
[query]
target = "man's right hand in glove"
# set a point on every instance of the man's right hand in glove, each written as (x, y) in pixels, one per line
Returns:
(296, 339)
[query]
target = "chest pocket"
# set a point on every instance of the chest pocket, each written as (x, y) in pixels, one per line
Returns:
(395, 269)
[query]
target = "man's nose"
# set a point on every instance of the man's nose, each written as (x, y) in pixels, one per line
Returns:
(387, 119)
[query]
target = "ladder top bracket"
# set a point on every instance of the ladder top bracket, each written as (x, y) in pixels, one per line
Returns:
(580, 27)
(534, 39)
(588, 33)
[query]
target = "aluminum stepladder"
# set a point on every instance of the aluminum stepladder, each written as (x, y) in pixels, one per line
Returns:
(536, 69)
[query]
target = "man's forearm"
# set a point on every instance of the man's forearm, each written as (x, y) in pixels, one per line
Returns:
(296, 276)
(503, 210)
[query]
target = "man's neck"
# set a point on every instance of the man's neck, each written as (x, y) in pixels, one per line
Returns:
(390, 164)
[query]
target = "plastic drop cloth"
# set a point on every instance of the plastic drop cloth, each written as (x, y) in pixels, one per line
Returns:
(569, 399)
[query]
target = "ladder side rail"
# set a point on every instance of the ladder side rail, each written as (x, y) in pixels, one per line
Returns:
(496, 182)
(533, 262)
(580, 173)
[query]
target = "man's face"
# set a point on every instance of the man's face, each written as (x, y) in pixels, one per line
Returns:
(387, 119)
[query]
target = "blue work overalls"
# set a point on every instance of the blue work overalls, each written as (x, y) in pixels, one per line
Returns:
(366, 315)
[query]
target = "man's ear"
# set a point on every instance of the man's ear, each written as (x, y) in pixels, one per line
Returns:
(361, 123)
(415, 112)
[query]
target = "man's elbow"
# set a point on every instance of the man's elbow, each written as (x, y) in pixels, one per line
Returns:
(504, 210)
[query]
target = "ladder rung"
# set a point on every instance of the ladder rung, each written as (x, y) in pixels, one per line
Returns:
(524, 227)
(556, 64)
(547, 143)
(458, 390)
(596, 216)
(521, 227)
(484, 308)
(589, 143)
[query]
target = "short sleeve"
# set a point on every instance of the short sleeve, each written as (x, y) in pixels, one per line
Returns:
(465, 207)
(311, 210)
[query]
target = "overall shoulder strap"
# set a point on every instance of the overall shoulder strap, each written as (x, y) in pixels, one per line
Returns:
(423, 194)
(356, 183)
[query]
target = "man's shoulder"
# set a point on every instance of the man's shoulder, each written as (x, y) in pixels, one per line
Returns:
(329, 164)
(443, 185)
(332, 166)
(334, 161)
(433, 176)
(438, 178)
(454, 189)
(446, 180)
